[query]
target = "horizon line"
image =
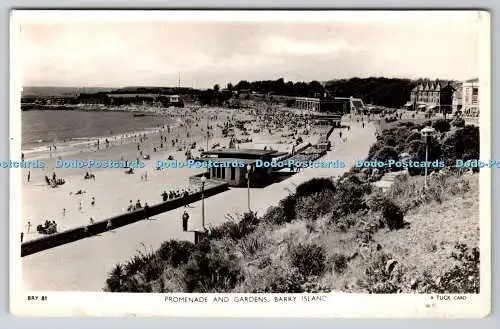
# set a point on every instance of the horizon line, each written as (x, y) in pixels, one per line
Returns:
(190, 87)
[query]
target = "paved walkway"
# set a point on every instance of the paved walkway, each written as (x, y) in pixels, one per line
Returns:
(84, 264)
(388, 180)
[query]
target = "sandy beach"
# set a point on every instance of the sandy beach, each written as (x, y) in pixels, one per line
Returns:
(112, 189)
(75, 266)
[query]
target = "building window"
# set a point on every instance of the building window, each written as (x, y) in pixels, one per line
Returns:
(218, 172)
(223, 172)
(233, 173)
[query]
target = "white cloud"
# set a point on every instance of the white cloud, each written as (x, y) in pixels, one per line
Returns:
(149, 53)
(280, 45)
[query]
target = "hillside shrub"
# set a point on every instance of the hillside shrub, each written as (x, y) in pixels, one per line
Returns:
(313, 186)
(309, 259)
(350, 198)
(441, 125)
(278, 280)
(288, 206)
(314, 206)
(212, 271)
(393, 215)
(234, 229)
(338, 262)
(175, 252)
(275, 215)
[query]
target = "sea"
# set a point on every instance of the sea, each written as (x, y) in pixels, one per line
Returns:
(43, 128)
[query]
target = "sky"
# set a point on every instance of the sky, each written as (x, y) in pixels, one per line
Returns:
(96, 50)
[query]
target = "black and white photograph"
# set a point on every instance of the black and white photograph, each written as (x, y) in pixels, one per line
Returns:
(332, 163)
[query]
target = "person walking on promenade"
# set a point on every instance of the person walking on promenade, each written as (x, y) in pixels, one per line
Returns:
(28, 227)
(22, 237)
(92, 202)
(29, 175)
(108, 225)
(91, 220)
(146, 211)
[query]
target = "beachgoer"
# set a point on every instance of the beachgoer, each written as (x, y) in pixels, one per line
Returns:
(54, 176)
(28, 227)
(64, 212)
(22, 156)
(91, 220)
(146, 210)
(109, 225)
(138, 204)
(130, 206)
(185, 219)
(92, 202)
(22, 237)
(185, 197)
(29, 176)
(80, 206)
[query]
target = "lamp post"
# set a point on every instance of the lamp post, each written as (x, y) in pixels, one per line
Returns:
(427, 133)
(249, 168)
(203, 180)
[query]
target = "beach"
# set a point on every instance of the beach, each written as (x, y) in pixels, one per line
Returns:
(84, 264)
(110, 193)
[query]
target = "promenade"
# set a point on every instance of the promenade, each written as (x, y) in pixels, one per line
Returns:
(85, 264)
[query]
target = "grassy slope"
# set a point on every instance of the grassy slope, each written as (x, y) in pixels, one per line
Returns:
(434, 230)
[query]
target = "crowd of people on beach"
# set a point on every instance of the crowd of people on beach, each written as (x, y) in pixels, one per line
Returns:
(191, 132)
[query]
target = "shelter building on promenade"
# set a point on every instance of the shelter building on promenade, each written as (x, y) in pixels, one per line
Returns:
(234, 175)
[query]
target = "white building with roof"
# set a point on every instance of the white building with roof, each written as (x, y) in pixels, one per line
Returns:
(470, 97)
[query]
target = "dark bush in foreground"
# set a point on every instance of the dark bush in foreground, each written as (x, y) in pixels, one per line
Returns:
(275, 215)
(235, 230)
(279, 281)
(314, 186)
(338, 263)
(393, 215)
(309, 259)
(175, 252)
(350, 198)
(115, 279)
(288, 206)
(212, 271)
(462, 143)
(315, 206)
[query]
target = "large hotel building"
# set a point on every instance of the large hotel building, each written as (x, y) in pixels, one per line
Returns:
(450, 98)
